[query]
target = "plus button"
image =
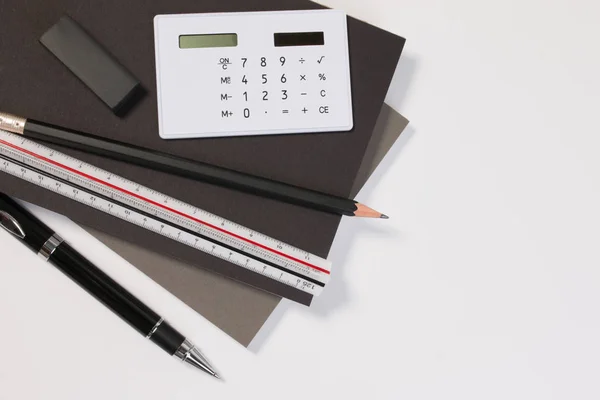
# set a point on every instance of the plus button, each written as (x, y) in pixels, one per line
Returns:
(304, 110)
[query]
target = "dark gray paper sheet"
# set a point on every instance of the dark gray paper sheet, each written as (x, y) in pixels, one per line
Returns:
(34, 84)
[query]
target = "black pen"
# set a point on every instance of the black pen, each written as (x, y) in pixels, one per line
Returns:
(50, 247)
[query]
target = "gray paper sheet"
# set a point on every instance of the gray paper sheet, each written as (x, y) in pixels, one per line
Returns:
(239, 310)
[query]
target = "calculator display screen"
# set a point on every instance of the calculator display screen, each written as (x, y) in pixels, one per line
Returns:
(299, 39)
(210, 40)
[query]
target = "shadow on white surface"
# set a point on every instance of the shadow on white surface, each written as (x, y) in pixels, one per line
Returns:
(401, 82)
(336, 295)
(269, 326)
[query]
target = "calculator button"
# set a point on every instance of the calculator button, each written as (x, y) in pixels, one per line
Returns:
(271, 80)
(224, 63)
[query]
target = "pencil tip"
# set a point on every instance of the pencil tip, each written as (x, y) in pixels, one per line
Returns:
(368, 212)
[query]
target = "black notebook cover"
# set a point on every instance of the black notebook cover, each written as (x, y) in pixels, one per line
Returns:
(34, 84)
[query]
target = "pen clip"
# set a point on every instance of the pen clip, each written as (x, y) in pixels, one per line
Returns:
(11, 225)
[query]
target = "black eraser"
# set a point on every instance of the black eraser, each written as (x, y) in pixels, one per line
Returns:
(93, 65)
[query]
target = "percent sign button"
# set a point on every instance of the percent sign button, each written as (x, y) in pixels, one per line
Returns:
(322, 77)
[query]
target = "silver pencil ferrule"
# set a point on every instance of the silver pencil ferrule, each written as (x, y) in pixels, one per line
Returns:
(12, 123)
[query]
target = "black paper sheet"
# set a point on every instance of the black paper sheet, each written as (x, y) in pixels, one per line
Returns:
(35, 85)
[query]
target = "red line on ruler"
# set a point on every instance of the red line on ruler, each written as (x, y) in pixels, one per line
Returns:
(162, 206)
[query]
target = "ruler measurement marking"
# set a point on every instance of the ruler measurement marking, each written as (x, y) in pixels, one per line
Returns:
(51, 186)
(99, 181)
(112, 195)
(179, 229)
(87, 195)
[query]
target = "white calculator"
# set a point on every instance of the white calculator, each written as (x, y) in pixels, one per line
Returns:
(252, 73)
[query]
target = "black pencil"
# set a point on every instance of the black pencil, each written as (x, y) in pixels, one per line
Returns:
(43, 132)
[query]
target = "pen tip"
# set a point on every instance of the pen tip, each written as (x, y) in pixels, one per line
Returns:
(383, 216)
(217, 376)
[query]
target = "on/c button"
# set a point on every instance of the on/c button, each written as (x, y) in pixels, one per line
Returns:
(323, 93)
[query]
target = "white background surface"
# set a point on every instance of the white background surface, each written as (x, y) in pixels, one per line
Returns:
(483, 285)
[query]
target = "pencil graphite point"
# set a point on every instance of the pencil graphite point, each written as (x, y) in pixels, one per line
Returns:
(383, 216)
